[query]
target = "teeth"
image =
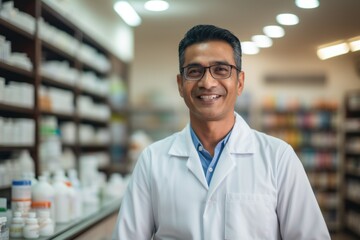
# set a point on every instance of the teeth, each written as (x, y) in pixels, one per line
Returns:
(209, 97)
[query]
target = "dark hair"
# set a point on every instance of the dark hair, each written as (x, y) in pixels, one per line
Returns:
(204, 33)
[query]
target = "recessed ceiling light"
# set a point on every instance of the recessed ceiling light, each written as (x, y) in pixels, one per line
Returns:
(354, 44)
(307, 3)
(127, 13)
(156, 5)
(262, 41)
(287, 19)
(274, 31)
(249, 48)
(332, 50)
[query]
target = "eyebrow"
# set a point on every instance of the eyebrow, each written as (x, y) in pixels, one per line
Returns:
(211, 64)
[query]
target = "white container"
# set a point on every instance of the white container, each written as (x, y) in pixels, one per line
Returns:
(3, 207)
(31, 228)
(62, 203)
(21, 195)
(46, 224)
(43, 191)
(4, 230)
(26, 162)
(17, 226)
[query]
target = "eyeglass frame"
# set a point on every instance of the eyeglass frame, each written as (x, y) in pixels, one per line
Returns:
(205, 68)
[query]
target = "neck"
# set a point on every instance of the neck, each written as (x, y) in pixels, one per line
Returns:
(211, 133)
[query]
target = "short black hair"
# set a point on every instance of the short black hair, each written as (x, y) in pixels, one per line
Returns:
(205, 33)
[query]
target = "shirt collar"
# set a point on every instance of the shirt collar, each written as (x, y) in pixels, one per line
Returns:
(197, 142)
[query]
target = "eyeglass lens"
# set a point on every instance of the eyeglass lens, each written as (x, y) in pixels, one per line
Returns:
(196, 72)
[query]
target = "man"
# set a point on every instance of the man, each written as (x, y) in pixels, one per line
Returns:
(217, 178)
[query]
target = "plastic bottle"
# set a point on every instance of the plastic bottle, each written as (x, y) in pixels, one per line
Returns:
(29, 176)
(43, 191)
(26, 162)
(78, 199)
(21, 196)
(4, 230)
(3, 207)
(61, 200)
(17, 226)
(31, 228)
(46, 224)
(39, 207)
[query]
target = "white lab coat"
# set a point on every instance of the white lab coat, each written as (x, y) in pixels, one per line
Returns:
(259, 190)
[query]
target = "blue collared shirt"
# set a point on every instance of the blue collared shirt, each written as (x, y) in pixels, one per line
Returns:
(207, 161)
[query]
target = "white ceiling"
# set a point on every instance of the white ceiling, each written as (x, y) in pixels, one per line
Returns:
(333, 20)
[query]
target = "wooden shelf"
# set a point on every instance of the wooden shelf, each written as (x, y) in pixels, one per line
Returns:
(8, 148)
(8, 27)
(14, 70)
(48, 47)
(16, 111)
(54, 83)
(62, 116)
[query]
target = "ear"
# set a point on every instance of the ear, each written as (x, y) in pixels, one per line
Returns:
(241, 81)
(180, 84)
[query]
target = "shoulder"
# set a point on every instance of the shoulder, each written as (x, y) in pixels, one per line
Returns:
(265, 141)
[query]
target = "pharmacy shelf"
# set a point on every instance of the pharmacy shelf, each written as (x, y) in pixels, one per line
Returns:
(351, 156)
(313, 133)
(42, 48)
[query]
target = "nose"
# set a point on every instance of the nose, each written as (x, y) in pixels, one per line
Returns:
(207, 81)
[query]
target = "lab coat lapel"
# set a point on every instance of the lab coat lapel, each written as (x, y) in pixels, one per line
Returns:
(240, 143)
(224, 167)
(183, 146)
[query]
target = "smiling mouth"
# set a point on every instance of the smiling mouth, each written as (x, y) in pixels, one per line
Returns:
(209, 97)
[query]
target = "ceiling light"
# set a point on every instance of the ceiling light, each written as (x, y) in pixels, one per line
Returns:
(156, 5)
(307, 3)
(332, 50)
(127, 13)
(262, 41)
(287, 19)
(354, 44)
(274, 31)
(249, 48)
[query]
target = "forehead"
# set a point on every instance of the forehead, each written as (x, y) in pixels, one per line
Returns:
(209, 52)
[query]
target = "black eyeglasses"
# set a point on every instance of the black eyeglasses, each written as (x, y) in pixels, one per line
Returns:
(217, 71)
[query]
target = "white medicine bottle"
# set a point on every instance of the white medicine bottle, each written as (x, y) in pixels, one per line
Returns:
(31, 228)
(62, 200)
(43, 191)
(46, 225)
(17, 225)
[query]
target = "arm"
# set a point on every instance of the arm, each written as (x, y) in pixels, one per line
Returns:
(298, 211)
(135, 220)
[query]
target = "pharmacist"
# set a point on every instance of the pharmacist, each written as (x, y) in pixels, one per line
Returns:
(217, 178)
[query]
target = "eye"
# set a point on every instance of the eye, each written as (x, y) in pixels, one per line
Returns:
(221, 69)
(194, 71)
